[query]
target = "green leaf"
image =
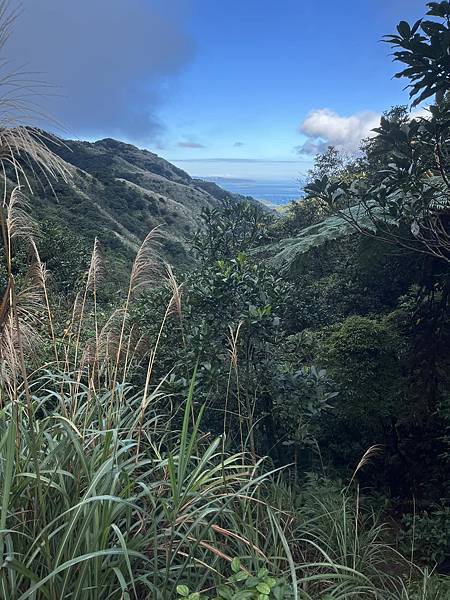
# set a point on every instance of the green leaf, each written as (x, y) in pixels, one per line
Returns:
(263, 588)
(240, 576)
(183, 590)
(262, 573)
(278, 593)
(404, 29)
(271, 582)
(243, 595)
(251, 582)
(224, 592)
(287, 253)
(235, 565)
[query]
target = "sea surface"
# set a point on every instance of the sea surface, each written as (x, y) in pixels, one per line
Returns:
(269, 192)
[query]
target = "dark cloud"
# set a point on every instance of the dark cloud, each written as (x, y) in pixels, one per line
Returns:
(111, 61)
(238, 144)
(190, 145)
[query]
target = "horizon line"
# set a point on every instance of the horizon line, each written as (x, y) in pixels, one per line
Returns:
(237, 160)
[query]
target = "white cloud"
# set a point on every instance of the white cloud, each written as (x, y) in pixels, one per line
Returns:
(324, 127)
(421, 113)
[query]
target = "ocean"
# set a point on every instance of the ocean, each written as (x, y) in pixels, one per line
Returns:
(269, 192)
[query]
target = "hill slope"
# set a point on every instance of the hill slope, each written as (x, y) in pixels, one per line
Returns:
(118, 192)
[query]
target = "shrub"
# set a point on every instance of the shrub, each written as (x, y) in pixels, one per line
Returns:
(427, 535)
(241, 585)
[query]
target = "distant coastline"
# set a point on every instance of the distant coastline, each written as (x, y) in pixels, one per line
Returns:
(267, 191)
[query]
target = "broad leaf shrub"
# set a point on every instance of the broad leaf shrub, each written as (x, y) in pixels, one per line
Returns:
(241, 585)
(428, 532)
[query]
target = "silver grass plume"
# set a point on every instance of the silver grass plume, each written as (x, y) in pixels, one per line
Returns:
(20, 310)
(233, 338)
(147, 264)
(144, 273)
(95, 268)
(8, 353)
(366, 458)
(21, 331)
(24, 149)
(41, 278)
(91, 285)
(19, 223)
(176, 289)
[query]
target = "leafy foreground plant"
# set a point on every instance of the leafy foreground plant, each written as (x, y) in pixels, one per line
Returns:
(242, 585)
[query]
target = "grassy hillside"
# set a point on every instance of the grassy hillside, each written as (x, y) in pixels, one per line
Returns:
(117, 193)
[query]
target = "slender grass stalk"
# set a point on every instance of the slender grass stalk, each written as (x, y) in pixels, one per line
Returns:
(143, 273)
(42, 279)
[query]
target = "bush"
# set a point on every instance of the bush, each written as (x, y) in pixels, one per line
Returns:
(361, 358)
(426, 535)
(241, 585)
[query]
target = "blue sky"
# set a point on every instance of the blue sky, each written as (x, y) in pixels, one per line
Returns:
(248, 88)
(261, 67)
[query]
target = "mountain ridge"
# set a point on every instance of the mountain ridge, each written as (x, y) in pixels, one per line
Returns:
(118, 192)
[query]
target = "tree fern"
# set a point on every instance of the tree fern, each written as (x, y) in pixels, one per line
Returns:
(285, 254)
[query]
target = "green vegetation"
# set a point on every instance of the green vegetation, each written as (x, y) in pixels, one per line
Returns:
(267, 419)
(117, 193)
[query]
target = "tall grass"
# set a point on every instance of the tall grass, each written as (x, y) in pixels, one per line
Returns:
(109, 517)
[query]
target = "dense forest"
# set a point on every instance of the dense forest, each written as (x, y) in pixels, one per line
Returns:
(256, 407)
